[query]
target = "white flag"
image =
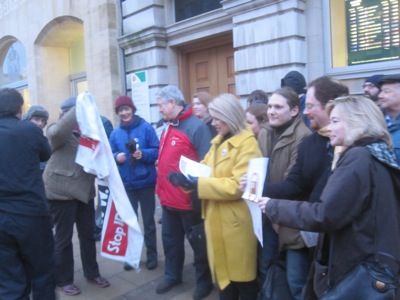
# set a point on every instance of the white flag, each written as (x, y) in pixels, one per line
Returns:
(122, 238)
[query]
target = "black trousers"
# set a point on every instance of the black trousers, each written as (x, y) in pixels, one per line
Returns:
(26, 257)
(146, 199)
(175, 225)
(240, 290)
(65, 213)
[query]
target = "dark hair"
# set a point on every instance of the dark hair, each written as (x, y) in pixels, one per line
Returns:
(257, 96)
(259, 111)
(327, 88)
(290, 95)
(10, 102)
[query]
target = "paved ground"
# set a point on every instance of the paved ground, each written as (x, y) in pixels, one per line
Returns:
(131, 285)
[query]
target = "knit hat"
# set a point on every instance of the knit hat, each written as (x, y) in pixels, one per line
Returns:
(389, 79)
(36, 111)
(374, 79)
(67, 104)
(296, 81)
(124, 100)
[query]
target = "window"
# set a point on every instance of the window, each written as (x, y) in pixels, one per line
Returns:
(14, 64)
(185, 9)
(14, 70)
(364, 31)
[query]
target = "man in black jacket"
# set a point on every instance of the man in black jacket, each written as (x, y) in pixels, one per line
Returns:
(309, 174)
(26, 238)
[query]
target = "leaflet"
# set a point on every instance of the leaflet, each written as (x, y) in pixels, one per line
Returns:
(193, 168)
(255, 184)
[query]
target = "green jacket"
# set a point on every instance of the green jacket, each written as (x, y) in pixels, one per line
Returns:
(63, 178)
(281, 159)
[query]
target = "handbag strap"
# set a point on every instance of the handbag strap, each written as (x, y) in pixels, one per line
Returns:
(389, 260)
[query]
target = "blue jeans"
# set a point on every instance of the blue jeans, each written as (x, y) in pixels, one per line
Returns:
(298, 263)
(175, 225)
(147, 200)
(26, 257)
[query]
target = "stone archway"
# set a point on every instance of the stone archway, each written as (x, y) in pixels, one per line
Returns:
(56, 49)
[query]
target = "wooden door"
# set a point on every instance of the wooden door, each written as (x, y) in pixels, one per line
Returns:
(207, 67)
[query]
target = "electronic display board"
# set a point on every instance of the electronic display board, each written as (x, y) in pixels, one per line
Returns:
(373, 33)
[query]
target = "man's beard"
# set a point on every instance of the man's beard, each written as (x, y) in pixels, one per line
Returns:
(372, 97)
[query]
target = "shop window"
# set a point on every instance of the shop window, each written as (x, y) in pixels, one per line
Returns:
(185, 9)
(364, 31)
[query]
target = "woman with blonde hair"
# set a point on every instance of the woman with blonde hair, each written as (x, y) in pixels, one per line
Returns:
(231, 243)
(358, 215)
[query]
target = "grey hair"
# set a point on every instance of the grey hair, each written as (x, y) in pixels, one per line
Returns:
(171, 92)
(362, 118)
(227, 108)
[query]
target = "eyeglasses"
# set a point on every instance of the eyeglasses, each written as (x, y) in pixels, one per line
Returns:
(310, 106)
(368, 86)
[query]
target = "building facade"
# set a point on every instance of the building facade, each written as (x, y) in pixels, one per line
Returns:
(234, 46)
(51, 50)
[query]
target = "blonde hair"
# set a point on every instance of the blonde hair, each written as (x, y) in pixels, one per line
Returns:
(227, 108)
(362, 118)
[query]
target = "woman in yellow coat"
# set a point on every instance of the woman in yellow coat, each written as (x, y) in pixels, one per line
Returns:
(231, 243)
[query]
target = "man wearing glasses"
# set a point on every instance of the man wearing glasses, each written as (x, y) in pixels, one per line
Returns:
(372, 88)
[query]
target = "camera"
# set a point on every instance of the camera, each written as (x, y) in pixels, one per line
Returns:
(131, 146)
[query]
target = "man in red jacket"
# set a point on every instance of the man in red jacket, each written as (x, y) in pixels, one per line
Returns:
(189, 136)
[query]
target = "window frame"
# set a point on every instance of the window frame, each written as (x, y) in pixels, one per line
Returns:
(364, 69)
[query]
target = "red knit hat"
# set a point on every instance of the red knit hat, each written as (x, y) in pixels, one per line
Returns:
(124, 100)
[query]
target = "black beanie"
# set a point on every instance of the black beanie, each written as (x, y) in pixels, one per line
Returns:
(296, 81)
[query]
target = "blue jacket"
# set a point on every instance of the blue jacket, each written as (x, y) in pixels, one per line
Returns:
(394, 130)
(136, 174)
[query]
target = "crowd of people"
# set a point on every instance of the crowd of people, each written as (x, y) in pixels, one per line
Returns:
(333, 171)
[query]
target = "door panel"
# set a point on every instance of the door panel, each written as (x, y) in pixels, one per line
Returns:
(209, 69)
(226, 70)
(203, 75)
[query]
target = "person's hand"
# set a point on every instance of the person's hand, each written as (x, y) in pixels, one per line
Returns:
(137, 154)
(243, 182)
(178, 179)
(262, 202)
(121, 157)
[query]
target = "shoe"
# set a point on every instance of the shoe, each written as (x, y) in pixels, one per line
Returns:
(70, 289)
(201, 293)
(127, 267)
(165, 285)
(99, 281)
(151, 264)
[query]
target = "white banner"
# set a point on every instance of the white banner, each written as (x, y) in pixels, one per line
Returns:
(122, 238)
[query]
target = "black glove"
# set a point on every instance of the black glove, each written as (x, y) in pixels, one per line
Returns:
(178, 179)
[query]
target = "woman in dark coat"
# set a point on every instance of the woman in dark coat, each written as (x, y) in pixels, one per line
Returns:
(358, 213)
